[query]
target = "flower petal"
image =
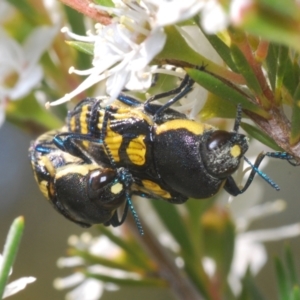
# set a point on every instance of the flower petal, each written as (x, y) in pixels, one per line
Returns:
(17, 285)
(69, 281)
(38, 42)
(28, 80)
(90, 289)
(172, 12)
(214, 18)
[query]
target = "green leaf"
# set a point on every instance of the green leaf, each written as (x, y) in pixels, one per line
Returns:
(295, 124)
(260, 136)
(76, 20)
(222, 49)
(287, 70)
(128, 265)
(10, 251)
(26, 10)
(282, 280)
(176, 48)
(182, 233)
(287, 8)
(86, 48)
(197, 208)
(296, 69)
(107, 3)
(271, 27)
(218, 233)
(214, 108)
(174, 223)
(129, 282)
(245, 69)
(249, 289)
(295, 293)
(28, 110)
(289, 259)
(177, 51)
(224, 90)
(132, 249)
(285, 74)
(272, 61)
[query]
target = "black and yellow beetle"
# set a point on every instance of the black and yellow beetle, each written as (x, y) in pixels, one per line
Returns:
(81, 190)
(162, 155)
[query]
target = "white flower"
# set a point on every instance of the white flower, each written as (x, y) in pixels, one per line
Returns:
(19, 69)
(124, 49)
(172, 12)
(17, 285)
(238, 9)
(249, 251)
(6, 11)
(214, 18)
(88, 288)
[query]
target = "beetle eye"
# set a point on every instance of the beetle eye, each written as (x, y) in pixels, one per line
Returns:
(100, 179)
(218, 139)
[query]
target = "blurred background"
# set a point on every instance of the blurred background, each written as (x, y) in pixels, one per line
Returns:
(42, 60)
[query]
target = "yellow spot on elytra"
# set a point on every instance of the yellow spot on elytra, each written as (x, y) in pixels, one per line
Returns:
(73, 124)
(235, 151)
(82, 170)
(113, 142)
(127, 112)
(48, 165)
(83, 120)
(189, 125)
(136, 150)
(155, 188)
(43, 185)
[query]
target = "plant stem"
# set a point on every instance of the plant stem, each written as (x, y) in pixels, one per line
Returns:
(278, 127)
(180, 285)
(83, 7)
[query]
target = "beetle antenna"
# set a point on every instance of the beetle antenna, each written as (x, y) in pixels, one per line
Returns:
(134, 214)
(238, 118)
(261, 174)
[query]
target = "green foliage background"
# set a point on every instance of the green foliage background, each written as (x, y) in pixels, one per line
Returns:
(260, 71)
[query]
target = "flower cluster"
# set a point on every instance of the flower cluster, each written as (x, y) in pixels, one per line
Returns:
(87, 287)
(20, 71)
(125, 49)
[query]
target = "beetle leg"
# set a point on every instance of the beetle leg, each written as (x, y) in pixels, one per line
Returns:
(184, 88)
(114, 221)
(130, 101)
(231, 186)
(66, 142)
(175, 91)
